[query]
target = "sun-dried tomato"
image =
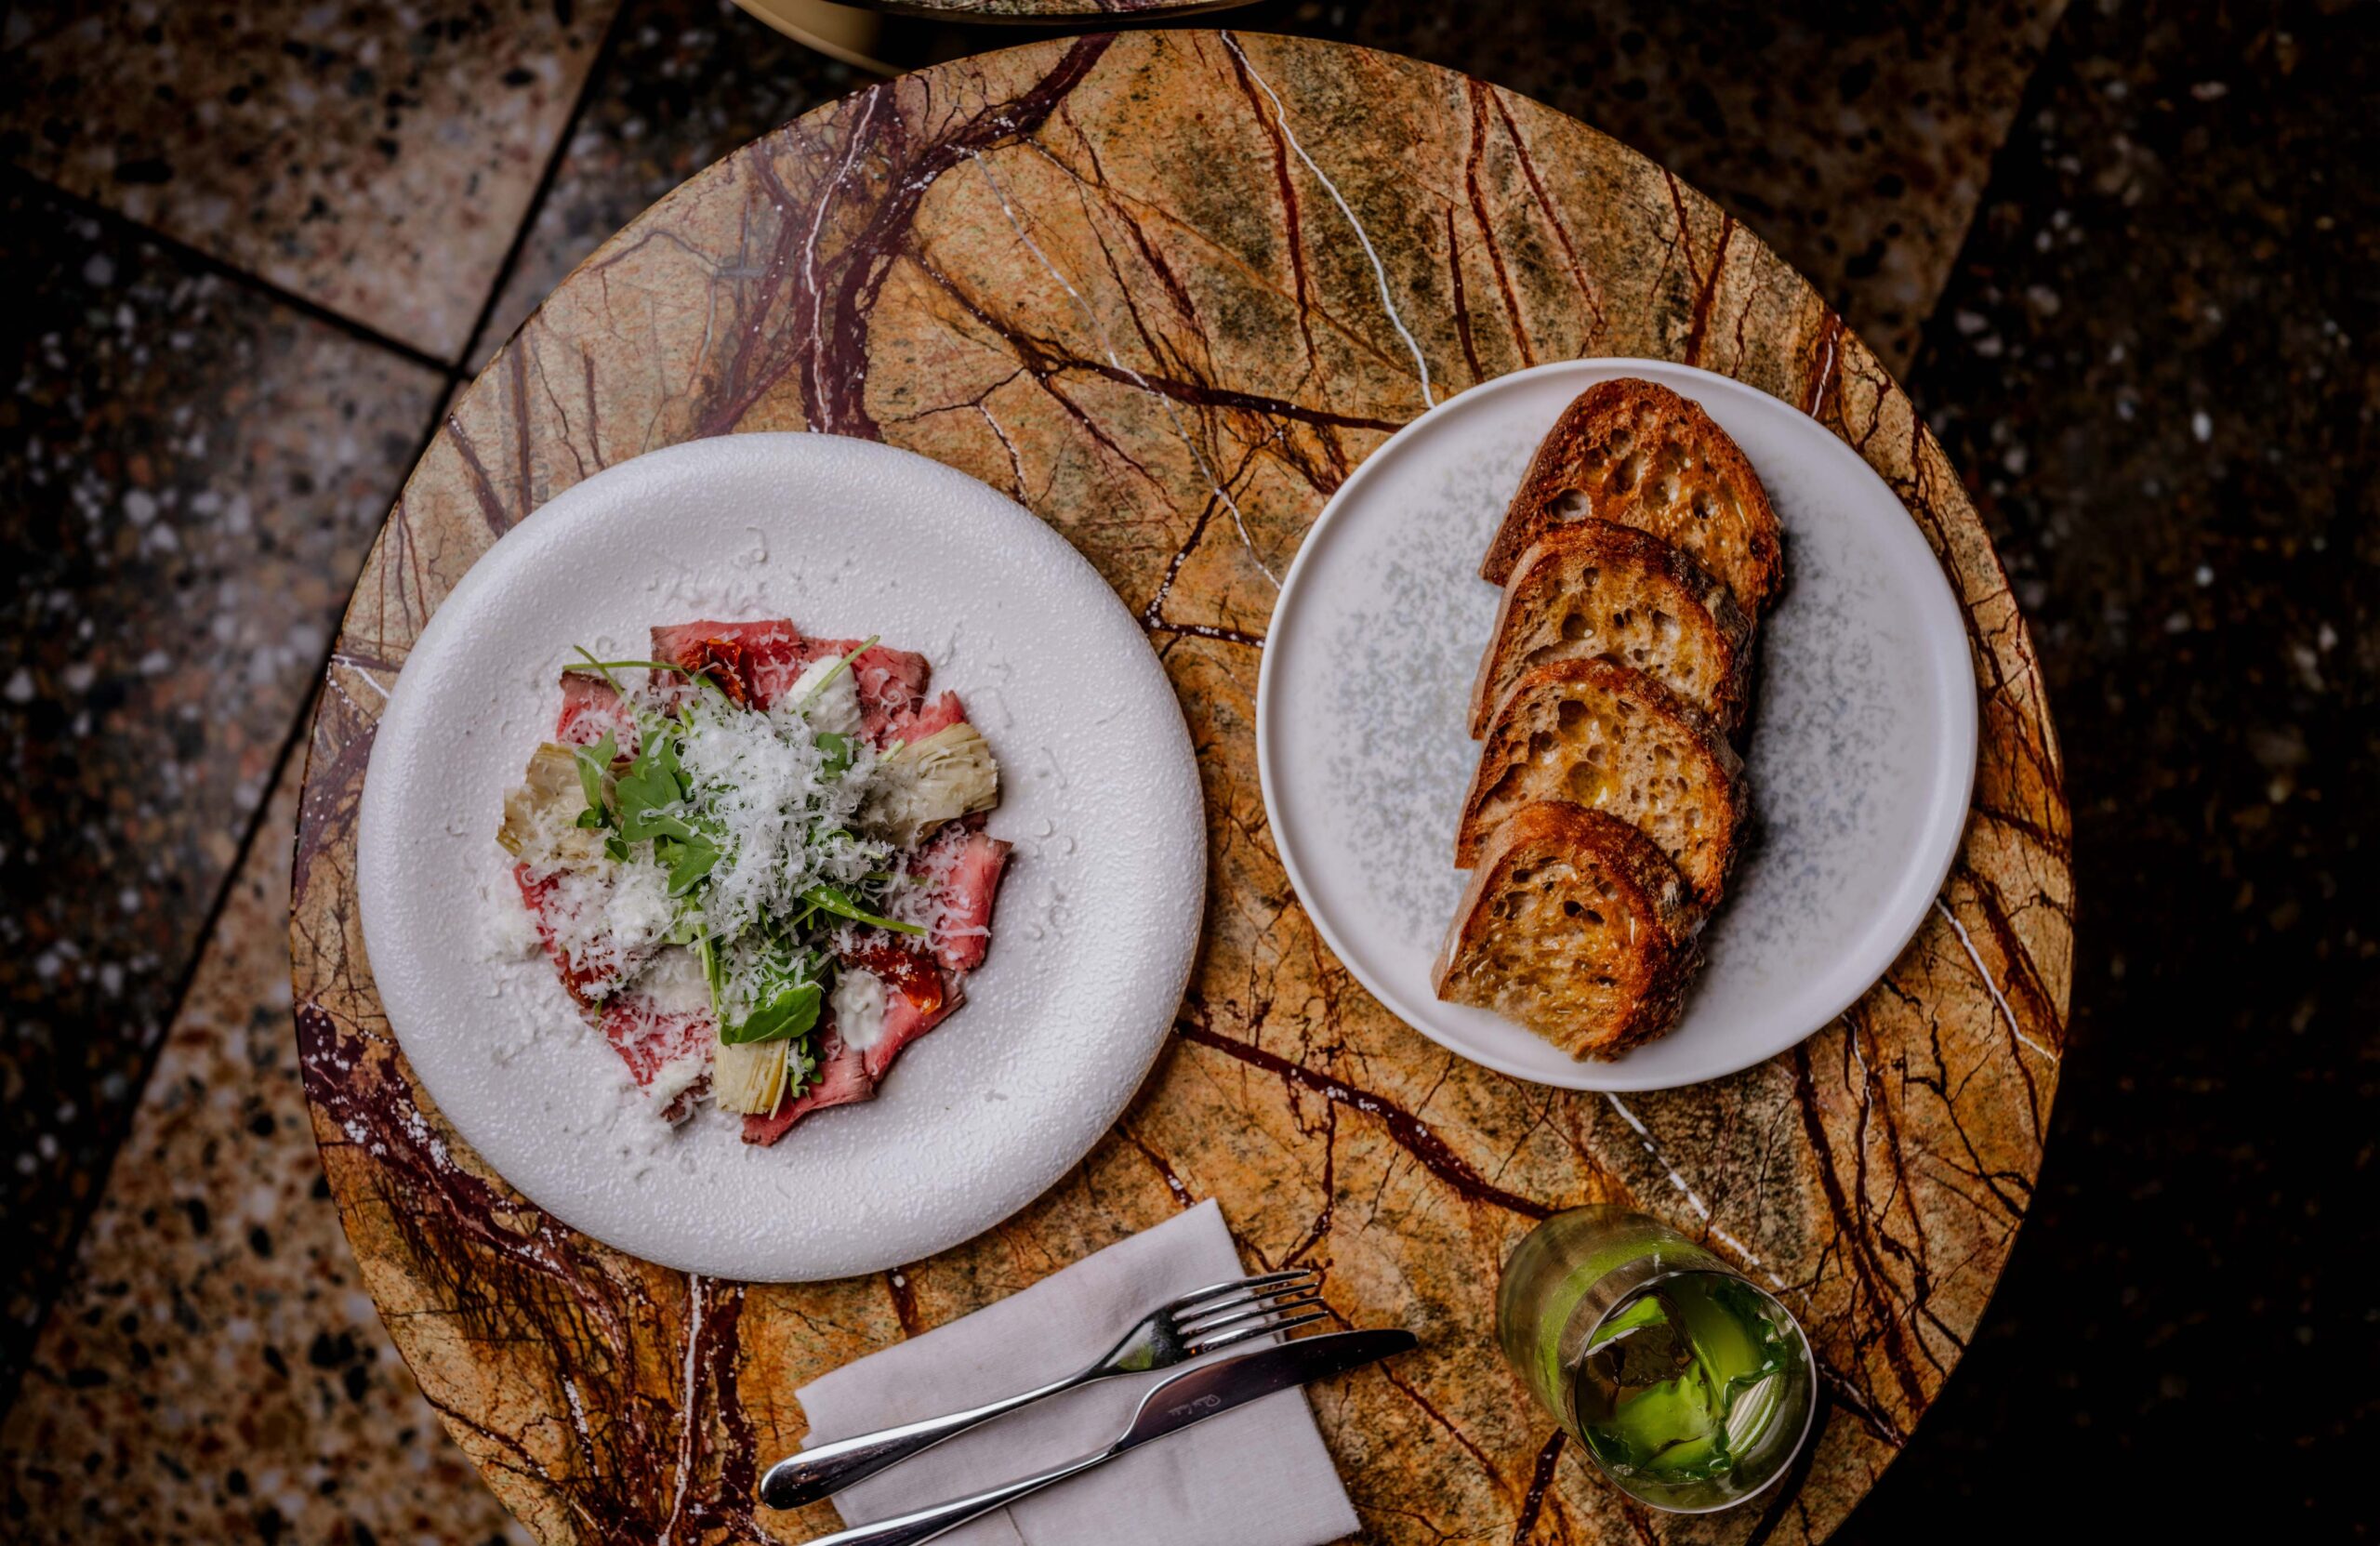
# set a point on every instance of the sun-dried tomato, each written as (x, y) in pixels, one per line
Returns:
(727, 662)
(908, 973)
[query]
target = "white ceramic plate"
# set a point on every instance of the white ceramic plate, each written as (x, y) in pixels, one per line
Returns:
(1861, 758)
(1096, 924)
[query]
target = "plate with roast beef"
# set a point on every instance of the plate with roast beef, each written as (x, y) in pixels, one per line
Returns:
(750, 845)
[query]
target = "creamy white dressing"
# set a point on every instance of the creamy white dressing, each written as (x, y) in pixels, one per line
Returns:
(638, 911)
(837, 706)
(858, 1000)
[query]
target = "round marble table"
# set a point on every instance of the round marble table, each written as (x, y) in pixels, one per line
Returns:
(1105, 274)
(1053, 11)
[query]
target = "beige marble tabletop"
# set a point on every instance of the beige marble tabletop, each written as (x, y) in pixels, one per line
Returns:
(1105, 274)
(1055, 11)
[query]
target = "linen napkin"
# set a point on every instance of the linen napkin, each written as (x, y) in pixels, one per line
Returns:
(1256, 1476)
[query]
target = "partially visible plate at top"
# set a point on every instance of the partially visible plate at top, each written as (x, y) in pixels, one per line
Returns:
(1862, 729)
(1092, 939)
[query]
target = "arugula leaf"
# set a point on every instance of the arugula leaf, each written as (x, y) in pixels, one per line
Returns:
(639, 821)
(651, 792)
(791, 1012)
(688, 862)
(649, 803)
(836, 754)
(787, 999)
(594, 769)
(833, 899)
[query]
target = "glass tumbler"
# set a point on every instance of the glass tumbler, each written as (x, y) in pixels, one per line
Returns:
(1690, 1386)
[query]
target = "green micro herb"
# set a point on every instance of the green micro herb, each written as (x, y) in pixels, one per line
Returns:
(605, 668)
(792, 1012)
(833, 899)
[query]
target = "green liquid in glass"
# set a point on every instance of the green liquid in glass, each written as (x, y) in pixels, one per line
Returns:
(1681, 1379)
(1691, 1388)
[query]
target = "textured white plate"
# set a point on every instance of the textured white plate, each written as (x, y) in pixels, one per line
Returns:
(1863, 727)
(1096, 924)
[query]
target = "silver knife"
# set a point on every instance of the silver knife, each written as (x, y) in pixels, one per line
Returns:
(1194, 1396)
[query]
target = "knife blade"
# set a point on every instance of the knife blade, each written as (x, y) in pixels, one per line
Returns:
(1209, 1390)
(1190, 1398)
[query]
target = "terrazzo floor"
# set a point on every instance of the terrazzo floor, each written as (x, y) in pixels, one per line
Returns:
(253, 252)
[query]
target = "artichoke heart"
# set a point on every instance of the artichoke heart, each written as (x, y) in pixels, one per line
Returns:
(748, 1076)
(541, 816)
(921, 784)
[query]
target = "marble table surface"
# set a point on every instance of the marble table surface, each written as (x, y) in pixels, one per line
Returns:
(1055, 11)
(1105, 274)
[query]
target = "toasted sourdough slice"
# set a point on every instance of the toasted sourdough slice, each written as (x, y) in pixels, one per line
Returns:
(1640, 455)
(1599, 589)
(1576, 926)
(1608, 738)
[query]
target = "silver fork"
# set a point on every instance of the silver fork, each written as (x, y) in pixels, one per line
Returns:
(1216, 1317)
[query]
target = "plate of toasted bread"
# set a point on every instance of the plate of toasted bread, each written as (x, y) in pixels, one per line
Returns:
(1617, 725)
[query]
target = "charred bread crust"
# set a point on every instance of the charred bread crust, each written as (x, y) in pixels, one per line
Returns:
(1708, 501)
(1654, 967)
(1657, 712)
(1541, 584)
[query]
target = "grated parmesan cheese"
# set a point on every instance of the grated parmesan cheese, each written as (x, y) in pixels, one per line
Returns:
(607, 919)
(673, 984)
(785, 821)
(761, 777)
(511, 931)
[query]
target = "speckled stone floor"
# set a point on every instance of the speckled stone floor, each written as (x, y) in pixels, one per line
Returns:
(192, 473)
(254, 1364)
(2154, 362)
(374, 159)
(253, 251)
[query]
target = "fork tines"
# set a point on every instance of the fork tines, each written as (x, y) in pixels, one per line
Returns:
(1229, 1312)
